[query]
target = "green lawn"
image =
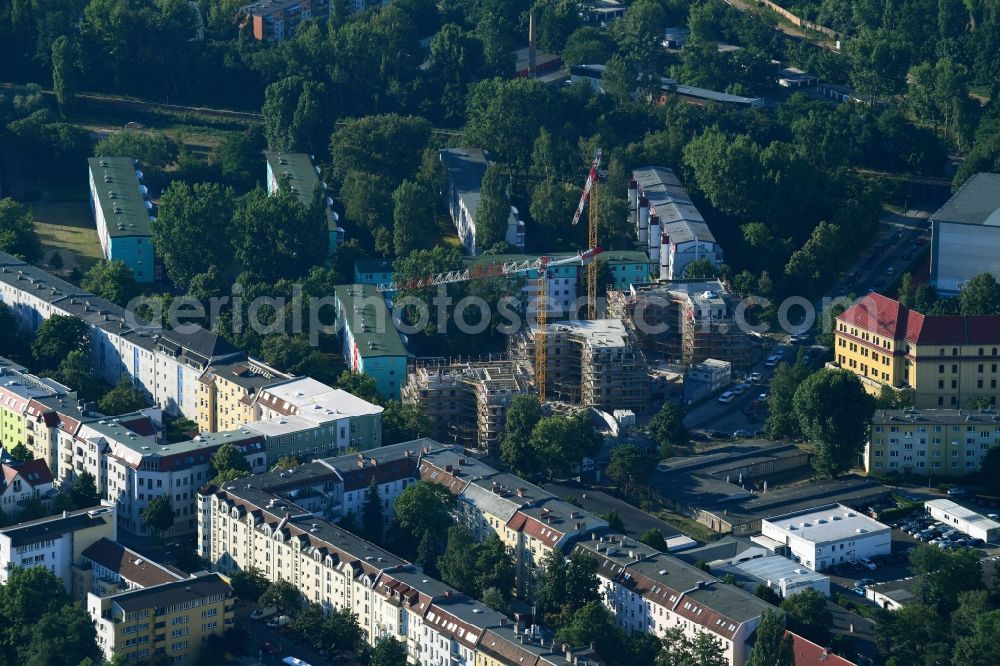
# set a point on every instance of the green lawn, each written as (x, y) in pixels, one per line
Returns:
(68, 228)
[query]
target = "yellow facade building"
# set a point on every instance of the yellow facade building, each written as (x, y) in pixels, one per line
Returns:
(935, 442)
(226, 393)
(947, 360)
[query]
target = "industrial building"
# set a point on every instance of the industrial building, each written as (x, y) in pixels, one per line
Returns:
(935, 442)
(297, 172)
(122, 214)
(964, 520)
(965, 234)
(595, 363)
(781, 574)
(464, 169)
(685, 321)
(467, 402)
(948, 360)
(823, 536)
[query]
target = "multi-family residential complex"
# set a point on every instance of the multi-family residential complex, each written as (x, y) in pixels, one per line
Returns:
(370, 343)
(965, 234)
(122, 214)
(596, 363)
(106, 568)
(823, 536)
(464, 169)
(948, 360)
(21, 399)
(172, 620)
(685, 320)
(226, 392)
(296, 171)
(467, 402)
(23, 482)
(935, 442)
(668, 226)
(276, 20)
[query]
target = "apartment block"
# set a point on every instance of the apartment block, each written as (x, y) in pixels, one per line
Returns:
(122, 214)
(370, 343)
(297, 172)
(464, 170)
(165, 364)
(467, 402)
(686, 321)
(226, 393)
(276, 20)
(934, 442)
(651, 592)
(23, 482)
(595, 363)
(170, 621)
(965, 241)
(55, 542)
(669, 227)
(106, 568)
(21, 396)
(948, 360)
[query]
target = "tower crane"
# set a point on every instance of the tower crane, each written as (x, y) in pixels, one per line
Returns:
(590, 191)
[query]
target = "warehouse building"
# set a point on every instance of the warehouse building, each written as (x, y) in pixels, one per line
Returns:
(823, 536)
(965, 234)
(964, 520)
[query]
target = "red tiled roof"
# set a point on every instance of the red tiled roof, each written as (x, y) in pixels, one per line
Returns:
(34, 472)
(808, 653)
(140, 425)
(884, 316)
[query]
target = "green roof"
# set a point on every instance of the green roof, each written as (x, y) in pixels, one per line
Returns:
(118, 190)
(298, 171)
(366, 315)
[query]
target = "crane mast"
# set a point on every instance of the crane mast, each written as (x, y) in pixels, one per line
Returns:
(590, 191)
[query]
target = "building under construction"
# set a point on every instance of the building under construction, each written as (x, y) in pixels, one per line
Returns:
(467, 402)
(684, 321)
(595, 363)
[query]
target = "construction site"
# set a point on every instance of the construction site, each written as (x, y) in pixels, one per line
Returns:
(467, 401)
(683, 321)
(592, 363)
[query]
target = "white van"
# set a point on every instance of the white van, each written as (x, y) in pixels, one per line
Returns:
(726, 397)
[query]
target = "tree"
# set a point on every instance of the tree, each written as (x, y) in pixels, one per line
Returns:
(773, 646)
(294, 116)
(154, 150)
(84, 491)
(372, 514)
(833, 411)
(878, 63)
(17, 231)
(402, 422)
(63, 73)
(913, 634)
(808, 615)
(21, 453)
(125, 397)
(587, 46)
(227, 461)
(727, 170)
(667, 429)
(457, 565)
(561, 442)
(158, 514)
(249, 584)
(564, 586)
(700, 269)
(66, 636)
(630, 464)
(56, 338)
(975, 649)
(112, 280)
(989, 471)
(360, 386)
(505, 116)
(283, 596)
(640, 31)
(413, 217)
(943, 575)
(387, 146)
(768, 594)
(782, 420)
(593, 623)
(619, 79)
(493, 212)
(193, 227)
(424, 506)
(523, 414)
(286, 462)
(494, 568)
(276, 236)
(980, 295)
(654, 539)
(388, 652)
(679, 650)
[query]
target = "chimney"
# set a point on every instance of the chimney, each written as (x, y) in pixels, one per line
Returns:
(65, 513)
(373, 461)
(406, 453)
(520, 492)
(532, 43)
(448, 468)
(567, 652)
(461, 461)
(447, 594)
(579, 526)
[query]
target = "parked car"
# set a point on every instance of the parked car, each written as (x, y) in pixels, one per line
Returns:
(868, 564)
(742, 434)
(755, 377)
(727, 397)
(956, 492)
(261, 613)
(738, 389)
(280, 621)
(860, 591)
(772, 360)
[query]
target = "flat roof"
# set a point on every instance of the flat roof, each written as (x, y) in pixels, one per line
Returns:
(977, 201)
(679, 218)
(776, 567)
(466, 168)
(830, 522)
(963, 513)
(600, 333)
(369, 320)
(297, 170)
(315, 401)
(934, 416)
(172, 594)
(53, 527)
(119, 196)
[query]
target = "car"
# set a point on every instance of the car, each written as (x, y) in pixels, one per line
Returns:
(921, 240)
(261, 613)
(742, 434)
(699, 436)
(794, 339)
(860, 591)
(763, 396)
(755, 377)
(280, 621)
(717, 434)
(864, 581)
(956, 492)
(727, 397)
(771, 361)
(868, 564)
(890, 270)
(738, 389)
(993, 516)
(976, 543)
(269, 648)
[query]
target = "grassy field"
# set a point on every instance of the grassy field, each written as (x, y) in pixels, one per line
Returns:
(67, 227)
(692, 528)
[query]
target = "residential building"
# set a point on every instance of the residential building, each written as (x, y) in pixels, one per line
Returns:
(226, 393)
(965, 239)
(173, 620)
(122, 214)
(651, 592)
(277, 20)
(20, 392)
(296, 171)
(55, 542)
(467, 402)
(595, 363)
(668, 225)
(966, 521)
(464, 170)
(603, 12)
(106, 568)
(713, 373)
(932, 442)
(165, 364)
(823, 536)
(23, 482)
(684, 321)
(948, 360)
(370, 343)
(510, 644)
(807, 653)
(372, 270)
